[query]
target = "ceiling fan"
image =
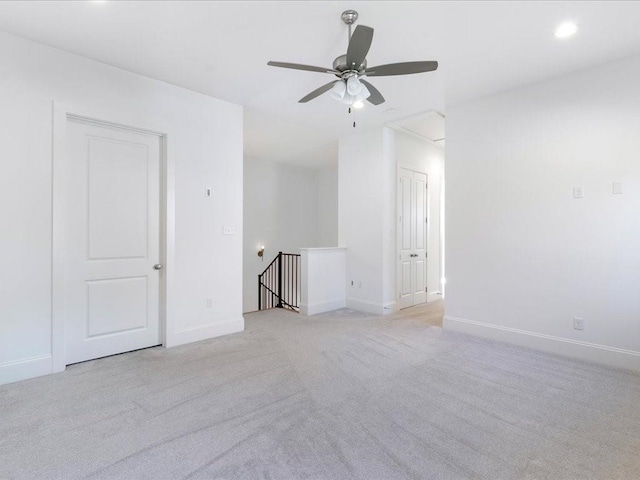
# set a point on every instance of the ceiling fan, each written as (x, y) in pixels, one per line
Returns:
(350, 88)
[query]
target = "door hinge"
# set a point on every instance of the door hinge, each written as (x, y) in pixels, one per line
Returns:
(425, 289)
(426, 220)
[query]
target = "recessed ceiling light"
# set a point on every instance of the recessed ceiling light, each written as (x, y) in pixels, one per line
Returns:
(566, 30)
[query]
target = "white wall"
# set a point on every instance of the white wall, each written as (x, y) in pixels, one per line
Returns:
(389, 223)
(285, 208)
(362, 200)
(523, 256)
(323, 280)
(328, 206)
(206, 139)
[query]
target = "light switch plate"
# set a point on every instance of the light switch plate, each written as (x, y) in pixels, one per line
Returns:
(617, 188)
(577, 192)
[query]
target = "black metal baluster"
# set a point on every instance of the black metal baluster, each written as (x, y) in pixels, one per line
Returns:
(290, 283)
(279, 280)
(294, 261)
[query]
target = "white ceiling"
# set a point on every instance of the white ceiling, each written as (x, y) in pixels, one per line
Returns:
(221, 49)
(429, 125)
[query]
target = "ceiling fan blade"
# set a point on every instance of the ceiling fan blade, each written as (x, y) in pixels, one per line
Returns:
(401, 69)
(359, 46)
(318, 91)
(297, 66)
(376, 97)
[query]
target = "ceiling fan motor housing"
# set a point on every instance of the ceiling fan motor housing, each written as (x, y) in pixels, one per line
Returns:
(340, 64)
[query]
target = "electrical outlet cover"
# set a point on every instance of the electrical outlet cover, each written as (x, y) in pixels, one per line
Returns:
(578, 323)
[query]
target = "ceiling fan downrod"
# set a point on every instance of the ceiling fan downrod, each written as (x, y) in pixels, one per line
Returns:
(349, 17)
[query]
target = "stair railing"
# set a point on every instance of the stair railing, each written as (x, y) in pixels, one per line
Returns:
(279, 284)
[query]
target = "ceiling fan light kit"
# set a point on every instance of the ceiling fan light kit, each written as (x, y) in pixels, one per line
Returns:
(353, 85)
(339, 90)
(350, 92)
(351, 88)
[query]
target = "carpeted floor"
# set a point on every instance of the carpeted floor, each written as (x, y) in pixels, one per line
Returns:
(336, 396)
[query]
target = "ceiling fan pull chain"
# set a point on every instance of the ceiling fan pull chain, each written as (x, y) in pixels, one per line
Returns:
(353, 110)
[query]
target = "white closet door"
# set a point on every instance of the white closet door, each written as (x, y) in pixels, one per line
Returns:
(412, 238)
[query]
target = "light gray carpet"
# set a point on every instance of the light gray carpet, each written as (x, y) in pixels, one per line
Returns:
(337, 396)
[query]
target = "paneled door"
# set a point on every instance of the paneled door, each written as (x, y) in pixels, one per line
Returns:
(412, 238)
(112, 238)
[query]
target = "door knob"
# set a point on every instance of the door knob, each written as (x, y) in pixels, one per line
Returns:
(157, 266)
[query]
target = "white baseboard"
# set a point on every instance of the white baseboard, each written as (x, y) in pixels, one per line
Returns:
(365, 306)
(592, 352)
(23, 369)
(315, 308)
(205, 332)
(389, 307)
(368, 307)
(433, 296)
(26, 368)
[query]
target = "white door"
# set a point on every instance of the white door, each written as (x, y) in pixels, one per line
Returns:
(112, 239)
(412, 238)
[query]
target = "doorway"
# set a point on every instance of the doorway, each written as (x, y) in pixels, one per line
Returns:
(412, 238)
(112, 250)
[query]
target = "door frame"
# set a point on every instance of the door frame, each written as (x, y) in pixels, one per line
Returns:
(62, 113)
(426, 238)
